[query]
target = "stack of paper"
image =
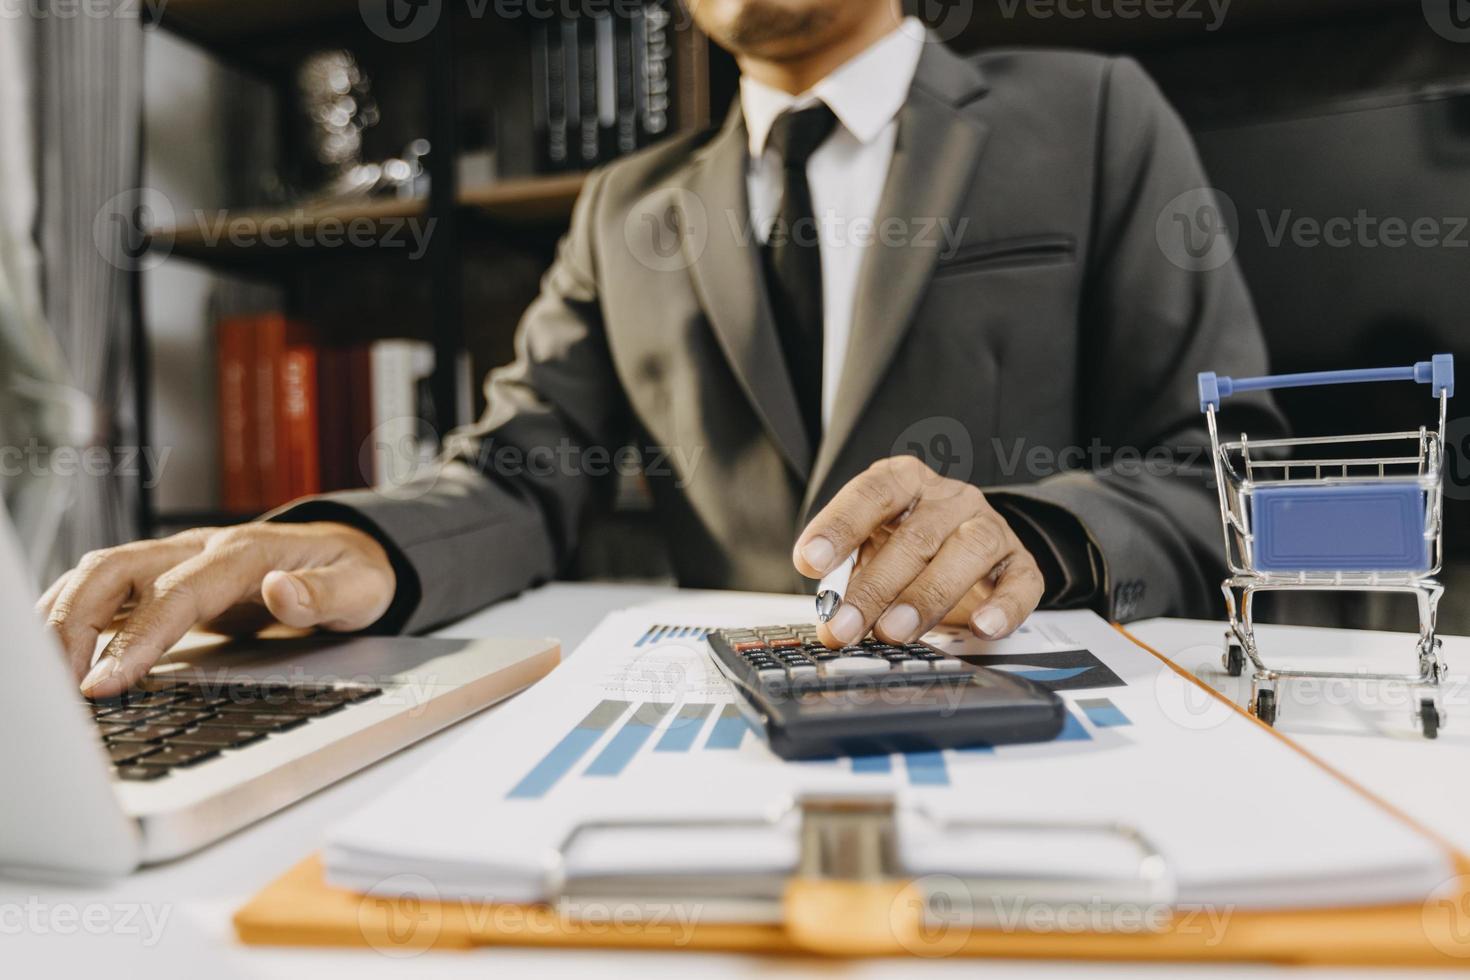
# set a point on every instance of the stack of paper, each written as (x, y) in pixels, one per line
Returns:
(637, 725)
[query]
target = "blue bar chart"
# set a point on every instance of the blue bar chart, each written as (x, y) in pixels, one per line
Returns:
(564, 755)
(926, 768)
(729, 730)
(630, 738)
(622, 731)
(929, 768)
(1103, 713)
(1073, 730)
(659, 633)
(684, 729)
(880, 764)
(616, 755)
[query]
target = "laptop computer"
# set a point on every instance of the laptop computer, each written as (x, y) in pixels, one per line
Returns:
(219, 735)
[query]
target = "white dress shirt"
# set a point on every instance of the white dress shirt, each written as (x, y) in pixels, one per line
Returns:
(846, 173)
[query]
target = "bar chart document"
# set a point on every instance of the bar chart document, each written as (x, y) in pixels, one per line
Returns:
(638, 725)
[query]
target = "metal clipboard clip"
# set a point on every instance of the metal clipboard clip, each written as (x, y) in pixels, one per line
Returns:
(855, 839)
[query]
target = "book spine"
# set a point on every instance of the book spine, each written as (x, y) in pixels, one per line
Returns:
(690, 110)
(589, 93)
(655, 52)
(385, 375)
(559, 92)
(331, 392)
(540, 89)
(398, 368)
(270, 348)
(298, 414)
(239, 484)
(607, 85)
(464, 405)
(360, 458)
(624, 70)
(426, 423)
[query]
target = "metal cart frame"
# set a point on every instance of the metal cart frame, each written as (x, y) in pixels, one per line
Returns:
(1296, 522)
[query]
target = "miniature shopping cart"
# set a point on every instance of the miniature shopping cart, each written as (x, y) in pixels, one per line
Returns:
(1356, 513)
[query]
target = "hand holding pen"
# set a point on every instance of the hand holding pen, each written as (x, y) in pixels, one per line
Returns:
(931, 549)
(832, 588)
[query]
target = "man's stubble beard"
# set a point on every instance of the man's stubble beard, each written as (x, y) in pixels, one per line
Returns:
(774, 30)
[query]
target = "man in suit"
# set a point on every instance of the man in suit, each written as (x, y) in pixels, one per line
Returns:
(885, 247)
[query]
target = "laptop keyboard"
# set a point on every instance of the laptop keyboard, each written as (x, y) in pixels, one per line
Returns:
(150, 732)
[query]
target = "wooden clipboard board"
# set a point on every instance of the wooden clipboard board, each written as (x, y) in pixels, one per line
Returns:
(823, 916)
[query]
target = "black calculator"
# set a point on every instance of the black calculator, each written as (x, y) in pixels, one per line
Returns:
(875, 697)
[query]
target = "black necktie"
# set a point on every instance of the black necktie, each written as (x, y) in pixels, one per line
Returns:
(793, 260)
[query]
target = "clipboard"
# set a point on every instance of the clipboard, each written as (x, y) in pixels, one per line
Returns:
(851, 896)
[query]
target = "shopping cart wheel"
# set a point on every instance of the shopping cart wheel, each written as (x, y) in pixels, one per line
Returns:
(1429, 718)
(1234, 658)
(1265, 706)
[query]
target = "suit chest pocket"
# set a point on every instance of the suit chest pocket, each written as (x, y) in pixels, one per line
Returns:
(1009, 253)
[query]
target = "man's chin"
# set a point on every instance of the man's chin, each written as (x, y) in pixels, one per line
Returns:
(771, 29)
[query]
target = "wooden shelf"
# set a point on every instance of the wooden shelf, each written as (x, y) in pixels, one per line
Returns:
(226, 23)
(526, 200)
(372, 222)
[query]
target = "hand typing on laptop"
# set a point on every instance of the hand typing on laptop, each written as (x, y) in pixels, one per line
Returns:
(225, 733)
(931, 550)
(235, 579)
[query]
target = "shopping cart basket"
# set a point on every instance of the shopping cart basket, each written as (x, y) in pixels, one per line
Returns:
(1356, 513)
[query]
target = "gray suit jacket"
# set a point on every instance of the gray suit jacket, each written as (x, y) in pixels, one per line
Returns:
(1055, 333)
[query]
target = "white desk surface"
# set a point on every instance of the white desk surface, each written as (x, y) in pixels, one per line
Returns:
(174, 920)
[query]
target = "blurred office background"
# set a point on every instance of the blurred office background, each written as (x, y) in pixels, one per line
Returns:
(249, 235)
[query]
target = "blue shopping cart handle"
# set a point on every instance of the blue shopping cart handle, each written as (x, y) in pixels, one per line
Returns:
(1438, 373)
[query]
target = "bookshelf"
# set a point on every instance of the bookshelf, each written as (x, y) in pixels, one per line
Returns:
(227, 237)
(268, 40)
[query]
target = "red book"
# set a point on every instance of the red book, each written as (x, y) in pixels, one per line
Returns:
(270, 348)
(285, 409)
(296, 391)
(235, 361)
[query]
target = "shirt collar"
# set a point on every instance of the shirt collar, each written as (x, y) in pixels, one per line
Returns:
(864, 93)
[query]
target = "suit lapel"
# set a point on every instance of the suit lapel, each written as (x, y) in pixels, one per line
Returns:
(727, 276)
(933, 167)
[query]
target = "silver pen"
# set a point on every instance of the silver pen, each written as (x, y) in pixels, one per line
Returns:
(832, 586)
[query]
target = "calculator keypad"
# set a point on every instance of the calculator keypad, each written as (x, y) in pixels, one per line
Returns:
(793, 656)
